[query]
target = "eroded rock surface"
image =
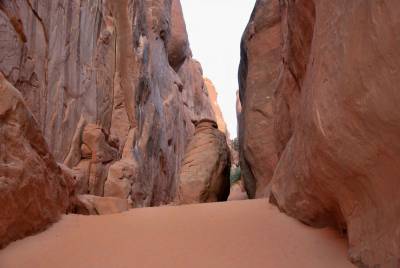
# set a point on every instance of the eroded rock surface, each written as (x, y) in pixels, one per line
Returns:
(260, 45)
(113, 87)
(98, 205)
(321, 80)
(213, 95)
(114, 90)
(34, 191)
(205, 169)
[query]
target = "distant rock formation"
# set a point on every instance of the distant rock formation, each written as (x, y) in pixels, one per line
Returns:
(213, 95)
(237, 192)
(319, 127)
(205, 169)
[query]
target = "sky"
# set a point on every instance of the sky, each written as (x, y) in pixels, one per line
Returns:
(215, 28)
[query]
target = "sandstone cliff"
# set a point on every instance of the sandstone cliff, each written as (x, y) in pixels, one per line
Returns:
(114, 93)
(319, 121)
(213, 95)
(113, 87)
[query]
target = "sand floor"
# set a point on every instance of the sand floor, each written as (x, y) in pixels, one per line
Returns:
(246, 234)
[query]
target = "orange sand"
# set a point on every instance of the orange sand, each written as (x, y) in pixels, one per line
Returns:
(246, 234)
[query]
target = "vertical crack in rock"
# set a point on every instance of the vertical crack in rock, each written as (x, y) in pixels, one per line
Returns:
(15, 22)
(39, 19)
(46, 60)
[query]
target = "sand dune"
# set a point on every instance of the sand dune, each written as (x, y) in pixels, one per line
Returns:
(247, 234)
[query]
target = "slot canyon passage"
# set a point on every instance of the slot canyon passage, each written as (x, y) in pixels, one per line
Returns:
(114, 151)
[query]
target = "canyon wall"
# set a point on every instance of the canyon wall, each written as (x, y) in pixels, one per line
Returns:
(112, 85)
(113, 90)
(257, 80)
(319, 125)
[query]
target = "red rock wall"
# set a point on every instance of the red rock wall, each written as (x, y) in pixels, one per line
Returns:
(260, 44)
(113, 87)
(213, 95)
(34, 191)
(329, 123)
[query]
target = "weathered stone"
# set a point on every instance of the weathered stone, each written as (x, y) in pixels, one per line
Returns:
(75, 154)
(213, 95)
(82, 174)
(205, 169)
(330, 72)
(96, 205)
(104, 78)
(33, 189)
(121, 176)
(111, 84)
(94, 138)
(260, 44)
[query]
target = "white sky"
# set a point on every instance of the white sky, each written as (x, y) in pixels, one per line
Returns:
(215, 28)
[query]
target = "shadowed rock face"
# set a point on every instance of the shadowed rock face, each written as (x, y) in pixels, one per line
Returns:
(113, 88)
(260, 45)
(328, 74)
(34, 191)
(205, 169)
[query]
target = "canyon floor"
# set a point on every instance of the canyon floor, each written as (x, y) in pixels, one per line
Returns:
(248, 233)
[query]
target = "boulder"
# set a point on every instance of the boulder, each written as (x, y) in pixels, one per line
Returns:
(177, 44)
(96, 205)
(34, 191)
(121, 175)
(205, 169)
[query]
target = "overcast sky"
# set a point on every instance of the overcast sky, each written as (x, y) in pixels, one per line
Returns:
(215, 28)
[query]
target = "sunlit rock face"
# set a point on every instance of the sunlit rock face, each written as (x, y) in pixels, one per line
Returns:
(213, 95)
(321, 80)
(204, 175)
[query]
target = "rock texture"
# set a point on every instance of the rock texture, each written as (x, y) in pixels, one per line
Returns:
(113, 87)
(321, 80)
(115, 92)
(205, 169)
(97, 205)
(34, 191)
(213, 95)
(257, 80)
